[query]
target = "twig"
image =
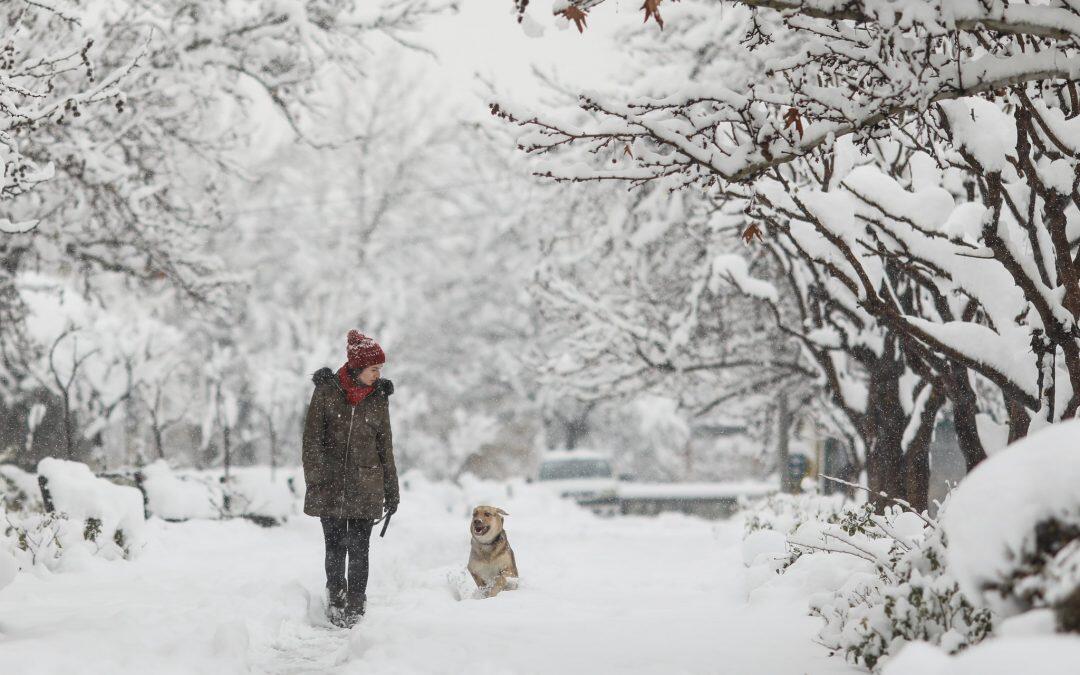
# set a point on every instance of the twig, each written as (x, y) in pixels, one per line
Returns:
(903, 504)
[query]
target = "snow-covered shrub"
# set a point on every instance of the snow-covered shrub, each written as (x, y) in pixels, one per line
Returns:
(18, 489)
(33, 538)
(911, 596)
(252, 493)
(784, 514)
(173, 497)
(901, 592)
(8, 568)
(1013, 526)
(74, 491)
(48, 539)
(1035, 654)
(255, 493)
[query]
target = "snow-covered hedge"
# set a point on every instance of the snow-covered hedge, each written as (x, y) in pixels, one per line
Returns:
(909, 596)
(1014, 526)
(88, 517)
(172, 497)
(1005, 557)
(252, 492)
(110, 512)
(18, 489)
(8, 568)
(255, 492)
(1034, 654)
(784, 513)
(885, 582)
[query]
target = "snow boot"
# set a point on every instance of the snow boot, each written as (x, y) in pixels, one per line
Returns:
(336, 607)
(355, 611)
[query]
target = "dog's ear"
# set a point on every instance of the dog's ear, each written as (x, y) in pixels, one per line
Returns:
(501, 512)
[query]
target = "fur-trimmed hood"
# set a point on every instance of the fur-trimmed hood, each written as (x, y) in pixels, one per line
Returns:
(383, 387)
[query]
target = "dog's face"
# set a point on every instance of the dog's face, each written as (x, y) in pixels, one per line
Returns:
(487, 523)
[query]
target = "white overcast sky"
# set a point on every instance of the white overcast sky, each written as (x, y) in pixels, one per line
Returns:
(484, 42)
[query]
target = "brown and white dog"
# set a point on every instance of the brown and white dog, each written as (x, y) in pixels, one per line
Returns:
(491, 560)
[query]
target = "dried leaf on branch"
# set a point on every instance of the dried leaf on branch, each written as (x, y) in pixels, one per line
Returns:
(792, 117)
(652, 8)
(753, 231)
(577, 15)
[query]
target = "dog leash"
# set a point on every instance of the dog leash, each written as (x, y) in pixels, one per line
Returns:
(385, 520)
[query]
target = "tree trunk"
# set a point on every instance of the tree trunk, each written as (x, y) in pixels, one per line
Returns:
(784, 422)
(965, 408)
(1019, 420)
(917, 456)
(273, 446)
(886, 421)
(159, 445)
(917, 476)
(69, 448)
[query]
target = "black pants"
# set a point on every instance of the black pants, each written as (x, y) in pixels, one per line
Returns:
(349, 536)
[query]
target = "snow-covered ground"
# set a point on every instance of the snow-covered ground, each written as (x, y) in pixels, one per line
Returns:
(623, 595)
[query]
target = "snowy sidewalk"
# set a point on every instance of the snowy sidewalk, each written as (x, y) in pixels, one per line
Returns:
(631, 595)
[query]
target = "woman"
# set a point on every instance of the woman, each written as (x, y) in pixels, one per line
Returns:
(349, 469)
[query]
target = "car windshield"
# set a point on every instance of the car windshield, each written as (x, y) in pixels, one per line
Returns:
(575, 468)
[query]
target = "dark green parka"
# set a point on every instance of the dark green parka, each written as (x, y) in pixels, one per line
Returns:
(348, 452)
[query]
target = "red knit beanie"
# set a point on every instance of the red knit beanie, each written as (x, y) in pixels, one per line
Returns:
(362, 351)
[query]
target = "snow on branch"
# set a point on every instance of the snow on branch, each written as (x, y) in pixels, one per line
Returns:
(736, 137)
(1009, 18)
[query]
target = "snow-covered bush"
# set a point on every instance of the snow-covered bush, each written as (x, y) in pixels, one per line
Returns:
(107, 512)
(1013, 526)
(786, 512)
(901, 592)
(910, 596)
(1041, 654)
(254, 494)
(8, 568)
(769, 522)
(173, 497)
(18, 489)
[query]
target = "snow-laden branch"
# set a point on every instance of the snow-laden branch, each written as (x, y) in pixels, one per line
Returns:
(1057, 22)
(758, 140)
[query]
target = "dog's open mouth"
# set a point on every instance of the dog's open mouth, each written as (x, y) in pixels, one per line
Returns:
(479, 529)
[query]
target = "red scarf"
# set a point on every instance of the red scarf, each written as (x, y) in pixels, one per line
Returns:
(354, 393)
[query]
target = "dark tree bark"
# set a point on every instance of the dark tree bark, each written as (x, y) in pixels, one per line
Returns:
(917, 458)
(785, 420)
(1019, 420)
(881, 426)
(886, 422)
(965, 407)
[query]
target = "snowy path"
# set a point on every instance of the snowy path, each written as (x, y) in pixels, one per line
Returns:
(632, 595)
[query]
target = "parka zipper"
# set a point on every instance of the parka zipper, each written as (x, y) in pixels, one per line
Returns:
(345, 473)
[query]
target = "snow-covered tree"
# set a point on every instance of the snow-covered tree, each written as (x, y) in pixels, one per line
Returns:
(636, 301)
(414, 238)
(141, 114)
(918, 169)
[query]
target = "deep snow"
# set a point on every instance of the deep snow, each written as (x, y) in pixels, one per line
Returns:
(626, 595)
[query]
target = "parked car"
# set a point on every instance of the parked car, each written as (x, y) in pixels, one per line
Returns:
(579, 475)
